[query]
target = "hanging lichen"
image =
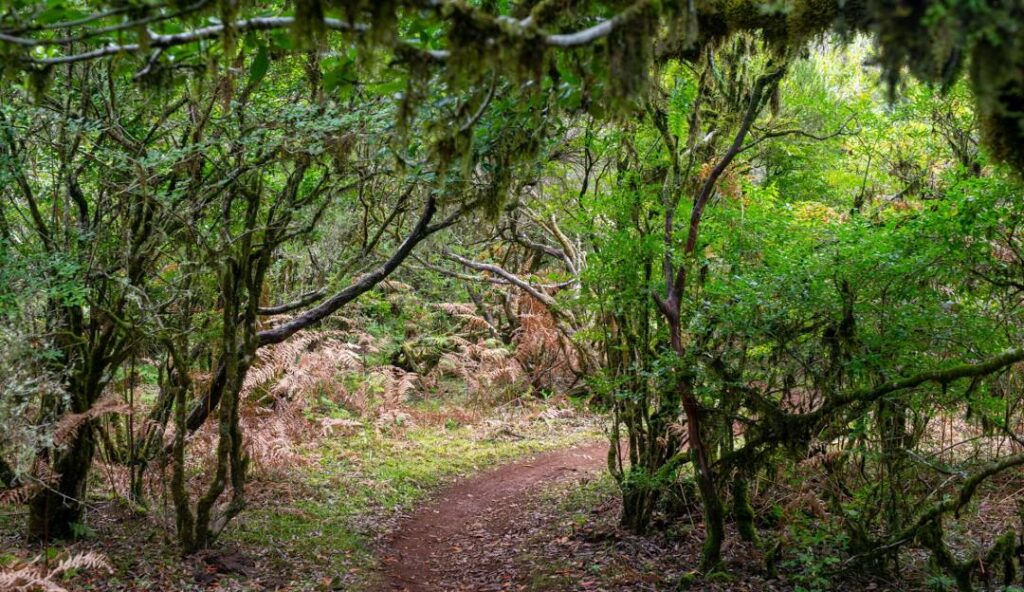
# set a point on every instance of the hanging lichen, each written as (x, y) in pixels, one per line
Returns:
(309, 21)
(999, 96)
(381, 15)
(629, 52)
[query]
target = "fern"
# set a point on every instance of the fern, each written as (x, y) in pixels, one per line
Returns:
(70, 424)
(36, 577)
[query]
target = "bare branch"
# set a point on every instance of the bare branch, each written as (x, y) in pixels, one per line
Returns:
(545, 299)
(157, 41)
(302, 302)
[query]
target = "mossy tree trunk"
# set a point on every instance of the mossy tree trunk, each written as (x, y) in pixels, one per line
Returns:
(58, 506)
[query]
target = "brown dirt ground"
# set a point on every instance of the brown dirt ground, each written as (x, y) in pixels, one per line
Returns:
(454, 541)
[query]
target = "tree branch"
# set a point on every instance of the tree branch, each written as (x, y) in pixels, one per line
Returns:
(422, 230)
(784, 427)
(509, 277)
(365, 283)
(158, 41)
(302, 302)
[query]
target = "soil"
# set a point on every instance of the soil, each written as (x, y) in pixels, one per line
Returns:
(455, 542)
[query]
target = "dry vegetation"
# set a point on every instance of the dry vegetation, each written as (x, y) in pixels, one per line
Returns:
(38, 575)
(322, 412)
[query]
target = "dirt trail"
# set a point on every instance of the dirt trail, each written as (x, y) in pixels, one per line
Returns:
(460, 540)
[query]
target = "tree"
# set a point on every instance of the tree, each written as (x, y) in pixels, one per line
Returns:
(934, 40)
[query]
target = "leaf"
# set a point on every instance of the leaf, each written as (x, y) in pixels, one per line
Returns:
(338, 75)
(260, 65)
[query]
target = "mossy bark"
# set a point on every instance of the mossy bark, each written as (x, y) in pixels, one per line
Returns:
(638, 502)
(930, 535)
(714, 524)
(742, 511)
(57, 508)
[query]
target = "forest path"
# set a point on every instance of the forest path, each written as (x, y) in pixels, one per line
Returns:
(459, 540)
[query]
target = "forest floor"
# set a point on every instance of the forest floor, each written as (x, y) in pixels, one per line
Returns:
(512, 499)
(319, 521)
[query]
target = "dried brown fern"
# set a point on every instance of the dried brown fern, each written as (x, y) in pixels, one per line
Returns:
(289, 377)
(272, 362)
(70, 424)
(393, 286)
(544, 351)
(466, 313)
(37, 577)
(489, 370)
(542, 357)
(17, 495)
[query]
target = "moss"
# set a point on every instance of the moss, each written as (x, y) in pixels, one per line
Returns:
(772, 554)
(932, 40)
(38, 81)
(309, 19)
(547, 10)
(687, 580)
(714, 523)
(1001, 556)
(742, 511)
(931, 537)
(629, 53)
(999, 93)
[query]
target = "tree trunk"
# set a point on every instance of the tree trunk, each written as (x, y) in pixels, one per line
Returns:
(742, 511)
(57, 508)
(638, 500)
(714, 515)
(8, 477)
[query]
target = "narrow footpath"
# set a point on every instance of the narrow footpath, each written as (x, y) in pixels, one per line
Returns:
(459, 540)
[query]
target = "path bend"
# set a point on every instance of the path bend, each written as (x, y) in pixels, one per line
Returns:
(446, 543)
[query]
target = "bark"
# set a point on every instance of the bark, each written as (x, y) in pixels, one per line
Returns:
(742, 511)
(931, 537)
(178, 385)
(58, 508)
(8, 477)
(301, 302)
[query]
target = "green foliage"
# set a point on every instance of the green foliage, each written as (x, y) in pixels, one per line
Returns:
(728, 260)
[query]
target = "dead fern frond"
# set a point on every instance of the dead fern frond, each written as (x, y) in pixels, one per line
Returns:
(34, 577)
(466, 313)
(393, 286)
(17, 495)
(71, 424)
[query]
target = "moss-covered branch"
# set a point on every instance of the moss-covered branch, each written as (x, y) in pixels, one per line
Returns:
(788, 430)
(933, 40)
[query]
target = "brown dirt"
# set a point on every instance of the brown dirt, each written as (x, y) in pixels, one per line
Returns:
(455, 542)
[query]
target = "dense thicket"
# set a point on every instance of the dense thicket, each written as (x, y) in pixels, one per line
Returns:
(762, 258)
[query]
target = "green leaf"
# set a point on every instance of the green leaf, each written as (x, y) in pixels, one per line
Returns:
(260, 65)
